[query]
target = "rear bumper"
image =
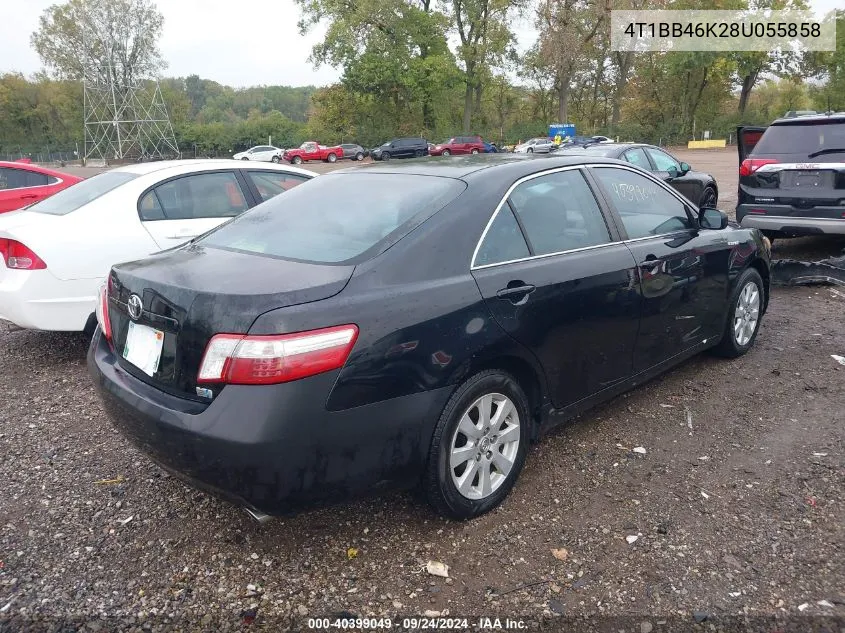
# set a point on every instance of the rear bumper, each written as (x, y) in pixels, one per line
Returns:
(795, 226)
(36, 300)
(272, 448)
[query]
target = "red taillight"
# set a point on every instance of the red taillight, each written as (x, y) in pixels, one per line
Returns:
(103, 312)
(263, 360)
(757, 211)
(19, 256)
(750, 165)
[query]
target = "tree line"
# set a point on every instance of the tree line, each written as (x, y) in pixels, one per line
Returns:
(436, 68)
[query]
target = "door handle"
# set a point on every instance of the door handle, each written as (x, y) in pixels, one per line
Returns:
(517, 292)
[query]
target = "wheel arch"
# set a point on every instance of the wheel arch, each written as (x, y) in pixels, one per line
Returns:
(760, 266)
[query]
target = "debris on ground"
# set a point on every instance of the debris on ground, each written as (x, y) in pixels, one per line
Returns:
(351, 553)
(802, 607)
(436, 568)
(791, 272)
(688, 413)
(126, 520)
(109, 482)
(838, 359)
(631, 538)
(639, 449)
(561, 554)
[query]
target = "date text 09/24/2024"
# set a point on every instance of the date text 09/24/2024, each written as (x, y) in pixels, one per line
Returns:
(417, 624)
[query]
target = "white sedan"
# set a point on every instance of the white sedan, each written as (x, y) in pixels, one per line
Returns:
(262, 153)
(535, 145)
(55, 254)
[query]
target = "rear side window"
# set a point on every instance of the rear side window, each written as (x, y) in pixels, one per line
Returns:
(559, 213)
(74, 197)
(503, 242)
(338, 218)
(215, 195)
(637, 157)
(807, 140)
(272, 183)
(11, 178)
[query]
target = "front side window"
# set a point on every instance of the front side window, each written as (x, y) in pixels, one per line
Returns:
(272, 183)
(559, 213)
(662, 161)
(214, 195)
(637, 157)
(343, 218)
(645, 207)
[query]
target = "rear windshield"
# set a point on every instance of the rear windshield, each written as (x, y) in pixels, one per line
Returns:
(819, 139)
(70, 199)
(593, 150)
(337, 218)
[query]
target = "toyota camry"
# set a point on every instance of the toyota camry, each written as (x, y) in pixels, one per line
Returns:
(415, 325)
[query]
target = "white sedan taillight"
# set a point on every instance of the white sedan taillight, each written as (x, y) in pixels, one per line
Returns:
(268, 359)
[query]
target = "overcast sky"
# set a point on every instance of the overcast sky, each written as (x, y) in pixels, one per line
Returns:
(234, 42)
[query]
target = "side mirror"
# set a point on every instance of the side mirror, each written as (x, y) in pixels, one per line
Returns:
(673, 173)
(713, 219)
(685, 168)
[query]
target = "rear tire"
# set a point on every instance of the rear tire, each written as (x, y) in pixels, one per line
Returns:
(418, 153)
(359, 156)
(332, 158)
(530, 150)
(745, 312)
(479, 446)
(772, 235)
(474, 151)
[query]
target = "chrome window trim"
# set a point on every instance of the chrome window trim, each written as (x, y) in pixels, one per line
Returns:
(504, 199)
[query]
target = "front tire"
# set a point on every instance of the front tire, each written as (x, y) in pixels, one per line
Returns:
(245, 158)
(446, 152)
(744, 314)
(709, 198)
(530, 150)
(474, 151)
(297, 160)
(275, 159)
(385, 155)
(479, 445)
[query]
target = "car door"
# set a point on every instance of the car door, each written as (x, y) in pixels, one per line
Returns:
(683, 272)
(557, 279)
(181, 208)
(21, 187)
(665, 165)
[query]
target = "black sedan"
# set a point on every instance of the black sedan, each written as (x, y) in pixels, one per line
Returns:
(698, 187)
(395, 326)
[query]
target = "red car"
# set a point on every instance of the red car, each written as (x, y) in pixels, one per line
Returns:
(459, 145)
(22, 184)
(312, 150)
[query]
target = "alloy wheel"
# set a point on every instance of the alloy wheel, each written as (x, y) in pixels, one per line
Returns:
(484, 446)
(747, 313)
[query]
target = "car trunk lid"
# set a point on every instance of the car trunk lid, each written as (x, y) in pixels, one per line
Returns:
(192, 293)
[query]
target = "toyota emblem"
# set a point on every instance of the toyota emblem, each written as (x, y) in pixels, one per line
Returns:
(135, 307)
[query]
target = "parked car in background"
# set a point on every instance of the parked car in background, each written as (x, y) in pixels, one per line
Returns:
(539, 145)
(354, 151)
(459, 145)
(56, 253)
(426, 320)
(400, 148)
(792, 176)
(312, 150)
(490, 148)
(22, 184)
(699, 188)
(262, 153)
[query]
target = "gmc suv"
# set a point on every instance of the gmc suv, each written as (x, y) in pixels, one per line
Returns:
(792, 176)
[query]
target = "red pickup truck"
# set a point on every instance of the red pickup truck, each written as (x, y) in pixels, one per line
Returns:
(312, 150)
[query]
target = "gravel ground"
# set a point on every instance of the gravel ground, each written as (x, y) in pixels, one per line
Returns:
(734, 509)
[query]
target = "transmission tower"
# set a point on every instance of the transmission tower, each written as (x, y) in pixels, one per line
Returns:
(126, 119)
